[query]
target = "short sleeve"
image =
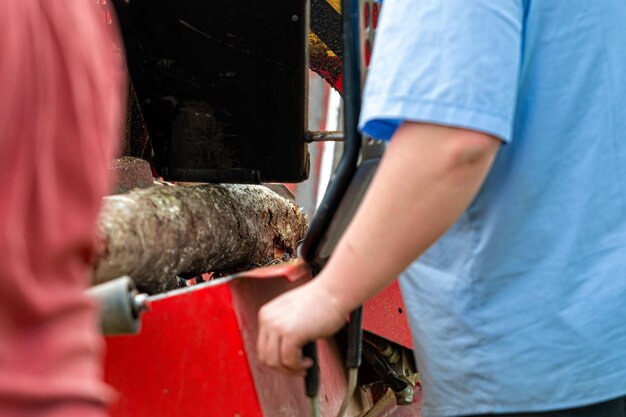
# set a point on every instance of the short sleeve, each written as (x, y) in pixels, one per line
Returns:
(449, 62)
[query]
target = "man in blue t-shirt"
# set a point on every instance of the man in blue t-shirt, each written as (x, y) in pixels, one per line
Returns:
(506, 176)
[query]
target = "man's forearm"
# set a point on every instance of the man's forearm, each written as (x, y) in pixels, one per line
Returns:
(428, 177)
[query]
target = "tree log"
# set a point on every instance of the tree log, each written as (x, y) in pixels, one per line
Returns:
(155, 234)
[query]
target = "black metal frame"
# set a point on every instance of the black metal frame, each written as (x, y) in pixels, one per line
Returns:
(348, 163)
(222, 86)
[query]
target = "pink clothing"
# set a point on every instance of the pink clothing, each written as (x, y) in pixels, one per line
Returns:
(60, 116)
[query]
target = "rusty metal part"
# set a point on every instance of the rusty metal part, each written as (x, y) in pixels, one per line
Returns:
(390, 353)
(385, 372)
(382, 405)
(324, 136)
(408, 370)
(405, 397)
(395, 366)
(378, 400)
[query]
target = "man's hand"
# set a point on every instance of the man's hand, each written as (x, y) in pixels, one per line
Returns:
(290, 321)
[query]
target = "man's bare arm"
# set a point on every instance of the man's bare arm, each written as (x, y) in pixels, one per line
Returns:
(427, 178)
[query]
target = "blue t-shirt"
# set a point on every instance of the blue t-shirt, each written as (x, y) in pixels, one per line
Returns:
(521, 306)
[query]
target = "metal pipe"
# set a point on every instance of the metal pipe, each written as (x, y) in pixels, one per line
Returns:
(353, 374)
(324, 136)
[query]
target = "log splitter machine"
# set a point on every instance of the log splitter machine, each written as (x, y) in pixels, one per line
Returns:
(220, 88)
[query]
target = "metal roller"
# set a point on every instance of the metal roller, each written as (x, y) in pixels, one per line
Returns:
(121, 306)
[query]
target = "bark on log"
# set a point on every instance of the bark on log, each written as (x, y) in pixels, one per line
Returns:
(155, 234)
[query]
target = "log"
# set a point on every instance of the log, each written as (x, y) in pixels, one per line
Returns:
(156, 234)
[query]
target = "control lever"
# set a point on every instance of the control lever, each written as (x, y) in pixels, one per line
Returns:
(312, 378)
(353, 362)
(354, 355)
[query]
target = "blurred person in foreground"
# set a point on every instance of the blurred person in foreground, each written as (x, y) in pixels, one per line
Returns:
(60, 115)
(505, 178)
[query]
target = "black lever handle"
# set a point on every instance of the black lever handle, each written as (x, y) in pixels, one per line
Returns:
(355, 338)
(312, 378)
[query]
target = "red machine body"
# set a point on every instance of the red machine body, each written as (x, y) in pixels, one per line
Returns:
(195, 355)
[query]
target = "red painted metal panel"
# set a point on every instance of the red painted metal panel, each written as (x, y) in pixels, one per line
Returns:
(189, 360)
(385, 315)
(196, 355)
(281, 395)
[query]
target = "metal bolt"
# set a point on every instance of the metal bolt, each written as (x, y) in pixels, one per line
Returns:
(140, 303)
(405, 397)
(391, 354)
